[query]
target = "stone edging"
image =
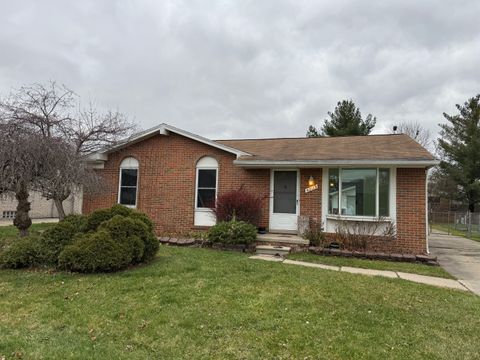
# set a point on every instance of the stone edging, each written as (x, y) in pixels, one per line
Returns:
(424, 259)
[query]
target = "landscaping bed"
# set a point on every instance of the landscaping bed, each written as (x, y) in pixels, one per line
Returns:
(421, 258)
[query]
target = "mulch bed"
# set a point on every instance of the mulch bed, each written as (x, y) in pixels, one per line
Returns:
(202, 243)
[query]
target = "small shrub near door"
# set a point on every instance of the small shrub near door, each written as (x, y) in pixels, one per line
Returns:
(232, 232)
(241, 205)
(314, 233)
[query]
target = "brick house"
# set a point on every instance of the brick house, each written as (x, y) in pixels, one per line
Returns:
(174, 176)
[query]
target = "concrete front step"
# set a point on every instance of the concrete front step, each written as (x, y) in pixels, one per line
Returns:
(272, 250)
(280, 239)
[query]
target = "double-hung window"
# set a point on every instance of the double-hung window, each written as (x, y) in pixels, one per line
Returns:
(359, 192)
(128, 183)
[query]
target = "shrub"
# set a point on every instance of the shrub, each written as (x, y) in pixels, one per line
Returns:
(129, 233)
(143, 218)
(241, 205)
(94, 252)
(97, 217)
(23, 252)
(118, 209)
(232, 232)
(314, 233)
(79, 222)
(54, 240)
(151, 247)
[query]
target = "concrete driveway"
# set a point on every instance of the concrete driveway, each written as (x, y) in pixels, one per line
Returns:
(460, 257)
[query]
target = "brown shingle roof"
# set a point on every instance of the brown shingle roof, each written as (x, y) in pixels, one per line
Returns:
(373, 147)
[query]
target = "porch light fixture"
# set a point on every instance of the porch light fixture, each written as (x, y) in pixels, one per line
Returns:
(311, 181)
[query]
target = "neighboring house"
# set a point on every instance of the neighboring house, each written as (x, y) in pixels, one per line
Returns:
(175, 176)
(40, 206)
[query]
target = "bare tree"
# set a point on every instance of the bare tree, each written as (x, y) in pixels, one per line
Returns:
(19, 167)
(417, 132)
(53, 112)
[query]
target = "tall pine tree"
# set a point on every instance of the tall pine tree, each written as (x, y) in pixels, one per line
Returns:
(459, 146)
(346, 119)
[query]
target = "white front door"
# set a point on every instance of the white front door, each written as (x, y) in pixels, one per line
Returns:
(284, 200)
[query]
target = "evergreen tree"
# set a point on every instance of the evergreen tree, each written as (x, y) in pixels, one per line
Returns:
(312, 131)
(459, 146)
(346, 119)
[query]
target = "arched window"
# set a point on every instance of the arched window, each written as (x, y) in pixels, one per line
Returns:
(127, 194)
(206, 186)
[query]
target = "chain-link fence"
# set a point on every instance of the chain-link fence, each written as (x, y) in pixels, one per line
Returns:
(454, 223)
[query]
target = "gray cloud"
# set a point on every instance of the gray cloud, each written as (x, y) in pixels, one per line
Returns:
(248, 68)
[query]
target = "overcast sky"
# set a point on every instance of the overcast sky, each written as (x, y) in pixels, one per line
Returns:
(248, 68)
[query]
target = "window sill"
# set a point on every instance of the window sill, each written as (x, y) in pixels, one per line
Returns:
(204, 209)
(358, 218)
(129, 206)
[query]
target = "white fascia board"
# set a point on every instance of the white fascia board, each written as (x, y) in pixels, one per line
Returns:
(164, 129)
(205, 140)
(333, 163)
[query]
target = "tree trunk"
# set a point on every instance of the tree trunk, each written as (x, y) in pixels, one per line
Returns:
(471, 206)
(22, 218)
(60, 209)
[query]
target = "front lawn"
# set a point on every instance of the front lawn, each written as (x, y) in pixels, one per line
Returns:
(9, 233)
(193, 303)
(373, 264)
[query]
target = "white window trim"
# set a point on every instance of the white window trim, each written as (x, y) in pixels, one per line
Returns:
(377, 197)
(196, 187)
(120, 186)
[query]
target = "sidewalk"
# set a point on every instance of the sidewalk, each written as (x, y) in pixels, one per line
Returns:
(422, 279)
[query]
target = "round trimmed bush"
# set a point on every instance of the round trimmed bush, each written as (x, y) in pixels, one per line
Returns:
(23, 252)
(54, 240)
(143, 218)
(79, 222)
(151, 247)
(127, 232)
(97, 217)
(121, 210)
(95, 252)
(232, 232)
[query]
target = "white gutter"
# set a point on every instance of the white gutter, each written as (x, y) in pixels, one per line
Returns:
(332, 163)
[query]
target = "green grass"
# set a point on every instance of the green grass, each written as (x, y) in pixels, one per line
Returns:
(373, 264)
(456, 232)
(10, 233)
(193, 303)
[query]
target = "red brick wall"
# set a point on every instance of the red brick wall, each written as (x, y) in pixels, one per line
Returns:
(411, 207)
(311, 203)
(167, 170)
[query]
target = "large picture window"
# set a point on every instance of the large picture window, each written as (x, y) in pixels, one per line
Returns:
(359, 192)
(206, 183)
(128, 182)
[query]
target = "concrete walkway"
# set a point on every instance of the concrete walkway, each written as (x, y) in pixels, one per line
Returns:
(422, 279)
(459, 256)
